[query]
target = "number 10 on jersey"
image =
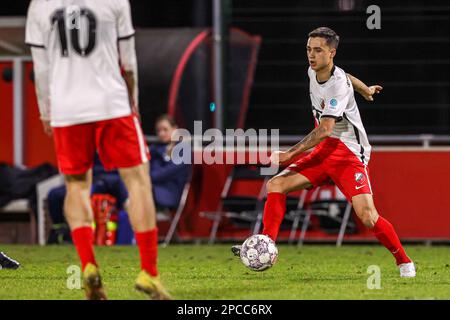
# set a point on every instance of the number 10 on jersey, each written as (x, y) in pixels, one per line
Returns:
(69, 23)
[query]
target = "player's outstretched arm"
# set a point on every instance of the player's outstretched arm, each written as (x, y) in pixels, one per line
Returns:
(321, 132)
(363, 89)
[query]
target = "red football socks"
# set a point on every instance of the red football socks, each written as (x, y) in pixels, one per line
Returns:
(83, 239)
(385, 233)
(274, 210)
(147, 242)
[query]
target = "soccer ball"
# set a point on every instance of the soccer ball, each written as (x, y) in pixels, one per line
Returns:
(259, 252)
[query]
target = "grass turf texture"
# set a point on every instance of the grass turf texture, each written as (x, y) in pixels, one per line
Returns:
(211, 272)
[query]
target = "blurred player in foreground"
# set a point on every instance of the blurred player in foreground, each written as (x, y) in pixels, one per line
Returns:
(342, 149)
(88, 106)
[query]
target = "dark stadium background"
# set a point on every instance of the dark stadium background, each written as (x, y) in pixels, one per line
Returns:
(408, 56)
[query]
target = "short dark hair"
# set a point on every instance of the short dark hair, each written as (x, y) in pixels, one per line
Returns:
(329, 35)
(166, 117)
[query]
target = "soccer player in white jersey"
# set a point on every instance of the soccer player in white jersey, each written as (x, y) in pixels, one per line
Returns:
(342, 150)
(88, 106)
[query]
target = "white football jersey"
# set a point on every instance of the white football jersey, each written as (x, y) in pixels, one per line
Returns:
(81, 41)
(335, 98)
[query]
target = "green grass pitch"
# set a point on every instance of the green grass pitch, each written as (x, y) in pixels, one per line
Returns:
(211, 272)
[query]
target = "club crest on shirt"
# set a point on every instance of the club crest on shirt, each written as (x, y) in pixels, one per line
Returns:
(322, 104)
(359, 177)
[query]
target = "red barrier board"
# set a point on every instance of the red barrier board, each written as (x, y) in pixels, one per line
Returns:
(411, 189)
(38, 146)
(6, 114)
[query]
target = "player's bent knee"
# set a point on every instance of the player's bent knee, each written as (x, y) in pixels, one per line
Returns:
(368, 216)
(276, 184)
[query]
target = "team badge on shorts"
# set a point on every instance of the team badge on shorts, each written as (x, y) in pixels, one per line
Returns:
(360, 178)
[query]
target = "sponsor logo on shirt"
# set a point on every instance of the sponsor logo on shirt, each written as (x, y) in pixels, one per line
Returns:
(333, 103)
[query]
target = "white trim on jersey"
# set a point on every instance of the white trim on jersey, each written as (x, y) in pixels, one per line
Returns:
(142, 147)
(368, 179)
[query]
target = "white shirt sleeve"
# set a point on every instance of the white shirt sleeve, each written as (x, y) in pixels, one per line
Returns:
(35, 37)
(124, 22)
(336, 100)
(34, 34)
(41, 80)
(128, 61)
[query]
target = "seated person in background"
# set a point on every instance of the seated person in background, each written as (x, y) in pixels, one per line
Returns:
(168, 180)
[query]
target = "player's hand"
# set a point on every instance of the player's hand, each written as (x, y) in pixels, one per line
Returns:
(47, 128)
(279, 157)
(375, 89)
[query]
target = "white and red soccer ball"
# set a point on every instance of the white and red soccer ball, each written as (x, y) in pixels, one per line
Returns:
(259, 252)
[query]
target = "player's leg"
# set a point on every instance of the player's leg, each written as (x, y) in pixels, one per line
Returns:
(275, 207)
(277, 189)
(79, 216)
(302, 174)
(384, 231)
(77, 203)
(127, 151)
(141, 211)
(75, 148)
(352, 178)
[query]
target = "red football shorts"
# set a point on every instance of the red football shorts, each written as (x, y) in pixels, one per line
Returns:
(119, 142)
(333, 160)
